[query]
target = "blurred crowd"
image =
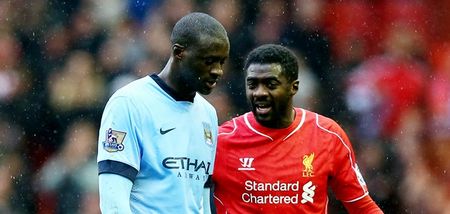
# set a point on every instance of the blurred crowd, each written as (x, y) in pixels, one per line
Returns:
(380, 68)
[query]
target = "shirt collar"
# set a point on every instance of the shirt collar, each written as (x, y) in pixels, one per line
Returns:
(175, 95)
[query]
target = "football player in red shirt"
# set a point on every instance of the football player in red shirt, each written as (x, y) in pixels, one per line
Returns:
(280, 158)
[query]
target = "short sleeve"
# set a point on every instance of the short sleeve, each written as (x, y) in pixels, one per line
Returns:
(118, 145)
(214, 131)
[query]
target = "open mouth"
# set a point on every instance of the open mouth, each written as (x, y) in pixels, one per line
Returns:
(262, 108)
(211, 83)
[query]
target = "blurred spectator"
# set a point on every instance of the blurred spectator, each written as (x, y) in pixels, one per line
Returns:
(15, 189)
(428, 183)
(65, 183)
(383, 88)
(155, 37)
(75, 90)
(438, 120)
(60, 11)
(57, 46)
(77, 87)
(138, 10)
(229, 13)
(270, 21)
(305, 34)
(352, 24)
(384, 92)
(173, 10)
(86, 32)
(108, 14)
(13, 78)
(308, 87)
(118, 54)
(15, 84)
(13, 197)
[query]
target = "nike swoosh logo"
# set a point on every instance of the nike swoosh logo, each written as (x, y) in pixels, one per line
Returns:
(165, 131)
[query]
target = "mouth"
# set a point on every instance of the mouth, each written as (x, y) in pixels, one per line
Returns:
(211, 83)
(262, 108)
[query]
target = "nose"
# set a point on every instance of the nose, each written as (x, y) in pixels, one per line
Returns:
(260, 91)
(217, 70)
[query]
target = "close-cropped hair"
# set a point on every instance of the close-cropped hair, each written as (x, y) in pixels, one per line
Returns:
(272, 53)
(190, 29)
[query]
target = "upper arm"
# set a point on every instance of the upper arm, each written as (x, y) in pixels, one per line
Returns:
(347, 181)
(118, 143)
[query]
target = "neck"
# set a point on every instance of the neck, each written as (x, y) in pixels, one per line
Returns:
(288, 120)
(281, 122)
(172, 77)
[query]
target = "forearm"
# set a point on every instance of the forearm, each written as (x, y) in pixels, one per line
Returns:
(114, 193)
(206, 201)
(207, 197)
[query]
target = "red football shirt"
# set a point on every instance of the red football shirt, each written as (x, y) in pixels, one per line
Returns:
(263, 170)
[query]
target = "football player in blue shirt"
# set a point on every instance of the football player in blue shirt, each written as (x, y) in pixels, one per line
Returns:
(158, 135)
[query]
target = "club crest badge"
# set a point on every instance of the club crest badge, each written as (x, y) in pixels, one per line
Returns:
(308, 170)
(208, 134)
(114, 140)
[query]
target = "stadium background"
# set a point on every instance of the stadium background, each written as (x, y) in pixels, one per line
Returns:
(381, 68)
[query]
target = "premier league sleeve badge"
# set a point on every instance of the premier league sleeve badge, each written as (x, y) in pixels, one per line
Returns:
(114, 140)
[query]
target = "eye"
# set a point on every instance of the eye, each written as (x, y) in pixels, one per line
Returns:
(272, 84)
(209, 61)
(251, 85)
(212, 60)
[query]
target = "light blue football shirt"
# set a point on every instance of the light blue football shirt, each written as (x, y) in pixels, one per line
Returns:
(164, 145)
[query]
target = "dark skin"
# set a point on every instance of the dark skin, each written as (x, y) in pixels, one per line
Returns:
(270, 95)
(196, 68)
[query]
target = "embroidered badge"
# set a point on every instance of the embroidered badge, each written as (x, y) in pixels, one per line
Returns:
(208, 134)
(114, 140)
(308, 170)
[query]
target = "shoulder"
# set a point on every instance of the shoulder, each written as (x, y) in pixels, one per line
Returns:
(136, 91)
(131, 95)
(325, 124)
(205, 103)
(229, 127)
(134, 88)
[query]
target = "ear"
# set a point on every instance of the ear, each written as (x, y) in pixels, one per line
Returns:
(177, 51)
(294, 87)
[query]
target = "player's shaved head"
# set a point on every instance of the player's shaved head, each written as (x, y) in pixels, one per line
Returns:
(190, 29)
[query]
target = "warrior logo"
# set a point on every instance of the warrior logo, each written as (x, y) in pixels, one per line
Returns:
(246, 164)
